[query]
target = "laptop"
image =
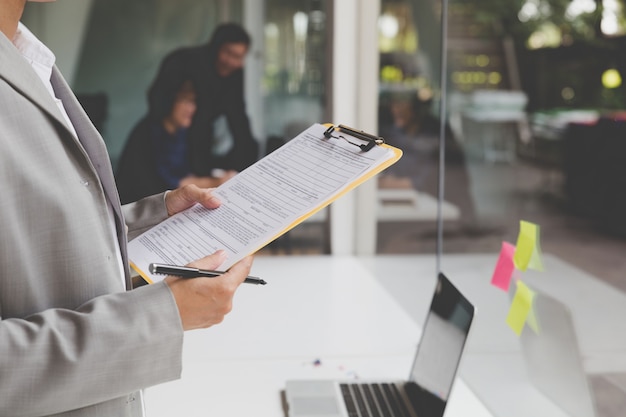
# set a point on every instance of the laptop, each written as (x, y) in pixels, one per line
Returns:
(425, 392)
(552, 356)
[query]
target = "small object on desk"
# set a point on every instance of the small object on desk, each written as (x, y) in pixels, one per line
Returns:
(188, 272)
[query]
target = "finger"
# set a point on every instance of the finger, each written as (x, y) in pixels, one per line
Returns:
(210, 262)
(205, 197)
(185, 197)
(238, 272)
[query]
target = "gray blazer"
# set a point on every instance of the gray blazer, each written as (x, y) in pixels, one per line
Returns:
(72, 341)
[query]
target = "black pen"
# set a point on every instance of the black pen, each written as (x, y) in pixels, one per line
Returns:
(188, 272)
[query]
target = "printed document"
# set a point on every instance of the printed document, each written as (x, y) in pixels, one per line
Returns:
(263, 201)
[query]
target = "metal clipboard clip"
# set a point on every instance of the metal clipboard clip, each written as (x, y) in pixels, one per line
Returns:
(371, 140)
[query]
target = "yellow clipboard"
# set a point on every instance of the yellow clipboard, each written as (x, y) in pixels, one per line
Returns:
(267, 199)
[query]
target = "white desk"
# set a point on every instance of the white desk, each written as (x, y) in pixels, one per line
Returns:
(359, 317)
(325, 308)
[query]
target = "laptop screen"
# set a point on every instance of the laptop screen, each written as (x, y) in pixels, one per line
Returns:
(444, 334)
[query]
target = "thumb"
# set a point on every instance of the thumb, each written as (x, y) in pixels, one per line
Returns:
(238, 272)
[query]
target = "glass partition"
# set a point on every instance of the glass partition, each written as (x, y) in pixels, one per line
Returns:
(294, 75)
(532, 128)
(410, 45)
(532, 124)
(294, 89)
(536, 105)
(121, 54)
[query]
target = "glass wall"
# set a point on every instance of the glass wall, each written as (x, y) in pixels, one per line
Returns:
(123, 44)
(410, 96)
(294, 76)
(294, 91)
(121, 54)
(532, 128)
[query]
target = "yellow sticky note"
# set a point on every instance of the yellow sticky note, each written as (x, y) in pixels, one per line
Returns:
(532, 321)
(527, 251)
(535, 259)
(520, 307)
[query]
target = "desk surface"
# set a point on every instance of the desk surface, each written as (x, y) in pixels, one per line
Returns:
(340, 310)
(325, 308)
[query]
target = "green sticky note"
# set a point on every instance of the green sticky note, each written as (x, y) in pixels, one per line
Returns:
(528, 251)
(520, 307)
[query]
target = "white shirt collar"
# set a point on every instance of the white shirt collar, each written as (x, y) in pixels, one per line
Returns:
(36, 53)
(42, 60)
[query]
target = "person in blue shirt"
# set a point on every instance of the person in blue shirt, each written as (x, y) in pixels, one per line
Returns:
(156, 156)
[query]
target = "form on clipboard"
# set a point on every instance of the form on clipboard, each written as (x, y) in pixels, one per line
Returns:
(266, 199)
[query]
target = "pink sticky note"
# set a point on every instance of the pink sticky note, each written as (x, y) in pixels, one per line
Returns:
(504, 268)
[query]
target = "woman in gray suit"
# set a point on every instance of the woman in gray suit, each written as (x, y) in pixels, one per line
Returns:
(75, 338)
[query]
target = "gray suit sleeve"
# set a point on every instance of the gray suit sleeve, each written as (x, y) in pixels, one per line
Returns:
(70, 338)
(108, 347)
(144, 214)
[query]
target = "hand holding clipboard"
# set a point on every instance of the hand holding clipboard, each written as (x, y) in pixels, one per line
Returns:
(267, 199)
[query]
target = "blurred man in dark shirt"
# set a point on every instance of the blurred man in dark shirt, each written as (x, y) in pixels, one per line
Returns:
(220, 138)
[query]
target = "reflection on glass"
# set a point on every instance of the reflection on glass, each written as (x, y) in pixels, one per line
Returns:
(295, 62)
(121, 53)
(408, 119)
(294, 92)
(513, 104)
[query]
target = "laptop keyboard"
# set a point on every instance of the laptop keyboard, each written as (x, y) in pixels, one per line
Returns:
(373, 400)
